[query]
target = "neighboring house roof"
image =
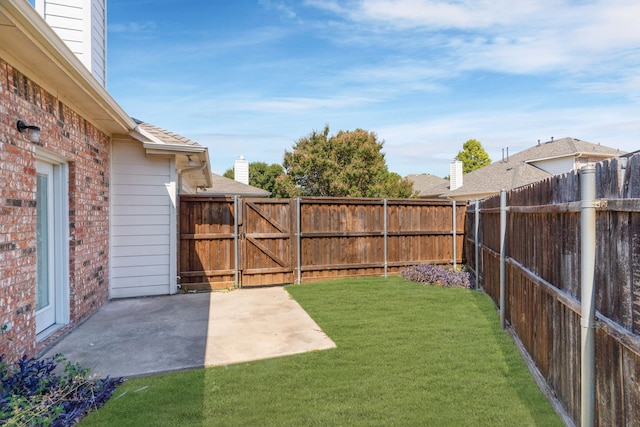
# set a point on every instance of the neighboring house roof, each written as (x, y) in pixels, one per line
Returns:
(525, 167)
(427, 185)
(225, 187)
(568, 147)
(191, 157)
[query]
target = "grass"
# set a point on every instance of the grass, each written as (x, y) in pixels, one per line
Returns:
(407, 354)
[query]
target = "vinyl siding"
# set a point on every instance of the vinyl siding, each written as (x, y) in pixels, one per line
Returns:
(556, 166)
(143, 227)
(81, 25)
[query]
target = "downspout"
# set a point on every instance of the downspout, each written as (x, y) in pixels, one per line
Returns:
(587, 269)
(189, 170)
(503, 233)
(179, 173)
(386, 237)
(455, 226)
(477, 249)
(299, 240)
(236, 246)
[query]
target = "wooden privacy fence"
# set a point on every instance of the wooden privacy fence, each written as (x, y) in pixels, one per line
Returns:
(532, 269)
(227, 242)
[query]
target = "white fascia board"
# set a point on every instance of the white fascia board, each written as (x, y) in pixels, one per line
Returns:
(154, 148)
(144, 136)
(29, 44)
(154, 145)
(577, 154)
(561, 156)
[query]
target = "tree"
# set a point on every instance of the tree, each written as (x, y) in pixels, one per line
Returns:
(261, 175)
(472, 156)
(348, 164)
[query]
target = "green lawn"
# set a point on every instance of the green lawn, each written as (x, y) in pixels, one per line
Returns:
(407, 355)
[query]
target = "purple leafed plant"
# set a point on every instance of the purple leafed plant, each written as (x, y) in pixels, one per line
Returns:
(443, 275)
(31, 393)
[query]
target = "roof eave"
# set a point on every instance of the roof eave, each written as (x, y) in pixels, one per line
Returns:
(573, 155)
(30, 45)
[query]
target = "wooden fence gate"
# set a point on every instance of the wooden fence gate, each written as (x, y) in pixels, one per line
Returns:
(267, 239)
(227, 242)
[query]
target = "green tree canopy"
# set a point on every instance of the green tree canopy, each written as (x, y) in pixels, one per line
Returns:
(348, 164)
(472, 156)
(261, 175)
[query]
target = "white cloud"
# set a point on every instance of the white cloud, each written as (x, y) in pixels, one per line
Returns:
(469, 14)
(580, 42)
(279, 6)
(133, 27)
(427, 146)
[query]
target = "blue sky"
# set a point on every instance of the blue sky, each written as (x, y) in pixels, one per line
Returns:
(252, 77)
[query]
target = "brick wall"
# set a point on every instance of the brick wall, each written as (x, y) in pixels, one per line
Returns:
(67, 134)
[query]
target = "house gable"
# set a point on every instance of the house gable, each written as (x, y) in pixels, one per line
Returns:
(531, 165)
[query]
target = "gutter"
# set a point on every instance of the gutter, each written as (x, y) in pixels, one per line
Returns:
(203, 164)
(51, 64)
(152, 145)
(575, 155)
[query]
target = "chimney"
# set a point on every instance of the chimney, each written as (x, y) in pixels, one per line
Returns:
(455, 175)
(82, 25)
(241, 170)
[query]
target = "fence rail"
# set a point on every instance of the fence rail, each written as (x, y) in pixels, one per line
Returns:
(228, 242)
(540, 293)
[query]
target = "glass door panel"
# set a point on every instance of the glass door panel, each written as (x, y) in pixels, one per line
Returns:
(45, 286)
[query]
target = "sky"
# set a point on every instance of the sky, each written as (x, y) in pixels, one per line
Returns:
(251, 77)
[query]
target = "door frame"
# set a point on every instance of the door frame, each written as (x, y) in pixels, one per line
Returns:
(59, 270)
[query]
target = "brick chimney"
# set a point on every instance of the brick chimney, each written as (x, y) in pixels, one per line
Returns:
(82, 25)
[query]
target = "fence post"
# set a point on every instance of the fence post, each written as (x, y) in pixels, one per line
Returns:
(385, 238)
(298, 240)
(236, 247)
(587, 270)
(455, 249)
(477, 238)
(503, 233)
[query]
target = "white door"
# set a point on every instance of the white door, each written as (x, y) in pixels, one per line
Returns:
(45, 248)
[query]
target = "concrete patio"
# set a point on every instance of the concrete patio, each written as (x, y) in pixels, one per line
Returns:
(142, 336)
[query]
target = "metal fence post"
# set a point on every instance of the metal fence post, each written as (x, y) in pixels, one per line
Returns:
(385, 238)
(236, 242)
(455, 249)
(587, 272)
(477, 242)
(503, 233)
(298, 241)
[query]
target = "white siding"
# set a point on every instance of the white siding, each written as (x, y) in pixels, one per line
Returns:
(81, 24)
(455, 175)
(143, 223)
(556, 166)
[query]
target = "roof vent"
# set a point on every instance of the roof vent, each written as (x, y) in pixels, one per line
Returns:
(503, 158)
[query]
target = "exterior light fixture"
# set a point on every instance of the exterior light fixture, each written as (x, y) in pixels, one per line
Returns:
(34, 131)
